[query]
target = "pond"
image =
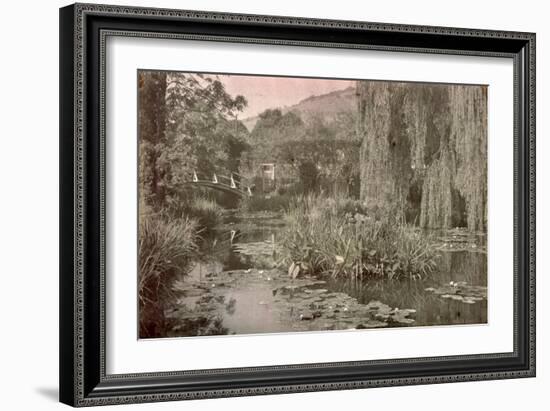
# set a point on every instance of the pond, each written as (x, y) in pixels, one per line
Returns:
(242, 291)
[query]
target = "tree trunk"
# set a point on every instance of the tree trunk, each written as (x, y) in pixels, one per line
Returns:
(152, 134)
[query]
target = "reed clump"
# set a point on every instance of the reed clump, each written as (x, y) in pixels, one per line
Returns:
(332, 236)
(206, 212)
(167, 247)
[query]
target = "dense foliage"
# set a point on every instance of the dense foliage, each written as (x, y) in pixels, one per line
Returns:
(187, 122)
(316, 153)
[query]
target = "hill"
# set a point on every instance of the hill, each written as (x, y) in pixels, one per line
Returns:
(326, 106)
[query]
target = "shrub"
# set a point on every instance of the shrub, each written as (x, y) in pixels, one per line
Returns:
(267, 203)
(292, 188)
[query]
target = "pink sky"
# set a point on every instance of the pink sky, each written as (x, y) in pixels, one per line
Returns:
(269, 92)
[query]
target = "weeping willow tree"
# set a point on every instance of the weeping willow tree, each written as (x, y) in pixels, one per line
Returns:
(424, 151)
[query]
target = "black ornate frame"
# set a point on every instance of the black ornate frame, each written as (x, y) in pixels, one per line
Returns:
(83, 30)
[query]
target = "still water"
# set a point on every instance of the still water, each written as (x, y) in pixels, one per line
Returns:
(240, 291)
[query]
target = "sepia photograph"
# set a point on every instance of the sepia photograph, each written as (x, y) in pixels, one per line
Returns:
(275, 204)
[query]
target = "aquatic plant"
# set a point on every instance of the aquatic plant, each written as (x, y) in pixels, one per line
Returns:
(325, 240)
(206, 212)
(166, 248)
(414, 255)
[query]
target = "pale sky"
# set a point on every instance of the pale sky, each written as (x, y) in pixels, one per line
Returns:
(264, 92)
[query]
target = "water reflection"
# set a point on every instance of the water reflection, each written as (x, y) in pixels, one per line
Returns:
(431, 309)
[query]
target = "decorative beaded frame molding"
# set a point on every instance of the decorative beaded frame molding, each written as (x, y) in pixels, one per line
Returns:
(83, 32)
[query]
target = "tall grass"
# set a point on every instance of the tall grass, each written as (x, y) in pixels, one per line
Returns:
(336, 237)
(166, 249)
(206, 212)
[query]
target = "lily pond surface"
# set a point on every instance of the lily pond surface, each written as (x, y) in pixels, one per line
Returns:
(239, 290)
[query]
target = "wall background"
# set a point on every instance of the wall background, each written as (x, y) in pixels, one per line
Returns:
(29, 204)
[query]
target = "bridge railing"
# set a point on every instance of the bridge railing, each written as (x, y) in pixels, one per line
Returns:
(233, 181)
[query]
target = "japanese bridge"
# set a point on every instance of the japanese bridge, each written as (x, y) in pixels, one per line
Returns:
(234, 183)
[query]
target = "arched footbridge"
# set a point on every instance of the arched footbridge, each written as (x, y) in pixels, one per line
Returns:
(230, 182)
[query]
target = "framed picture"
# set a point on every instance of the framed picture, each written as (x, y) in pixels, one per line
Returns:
(260, 204)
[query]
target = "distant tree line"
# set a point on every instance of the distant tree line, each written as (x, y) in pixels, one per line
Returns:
(317, 153)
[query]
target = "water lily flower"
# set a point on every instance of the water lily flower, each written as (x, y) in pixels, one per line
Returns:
(294, 270)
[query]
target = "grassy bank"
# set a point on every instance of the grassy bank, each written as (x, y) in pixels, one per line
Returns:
(167, 247)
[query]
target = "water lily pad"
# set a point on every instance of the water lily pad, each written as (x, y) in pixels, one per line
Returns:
(460, 291)
(301, 304)
(459, 239)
